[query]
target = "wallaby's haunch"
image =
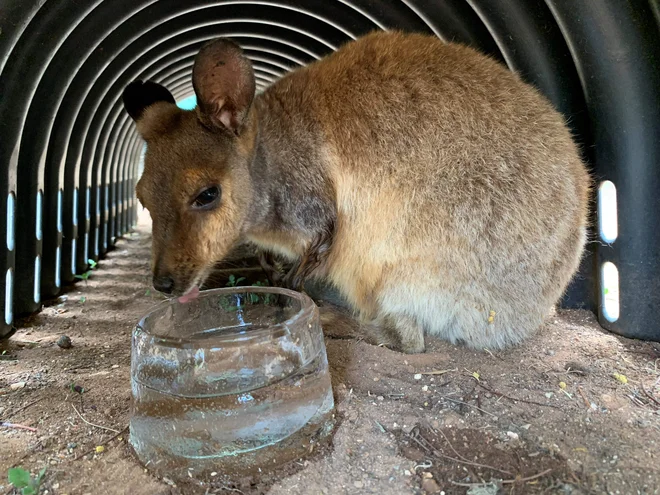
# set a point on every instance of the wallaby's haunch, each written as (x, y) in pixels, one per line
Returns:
(431, 186)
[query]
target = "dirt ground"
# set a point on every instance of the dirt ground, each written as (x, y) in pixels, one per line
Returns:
(550, 416)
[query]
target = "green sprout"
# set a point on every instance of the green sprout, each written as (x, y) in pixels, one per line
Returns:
(85, 276)
(233, 281)
(23, 481)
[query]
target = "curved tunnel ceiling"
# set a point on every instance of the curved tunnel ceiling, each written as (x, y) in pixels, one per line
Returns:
(70, 155)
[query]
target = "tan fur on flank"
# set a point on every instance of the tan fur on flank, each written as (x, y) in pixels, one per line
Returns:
(438, 192)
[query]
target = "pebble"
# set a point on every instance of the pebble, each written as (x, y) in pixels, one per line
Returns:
(425, 388)
(17, 385)
(71, 445)
(407, 472)
(115, 366)
(358, 484)
(418, 376)
(512, 435)
(64, 342)
(430, 486)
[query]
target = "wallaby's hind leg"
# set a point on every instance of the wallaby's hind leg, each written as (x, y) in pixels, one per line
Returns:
(396, 332)
(401, 330)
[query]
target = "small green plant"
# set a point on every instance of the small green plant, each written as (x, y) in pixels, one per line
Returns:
(92, 264)
(227, 304)
(82, 300)
(77, 388)
(85, 276)
(148, 293)
(23, 481)
(233, 281)
(267, 298)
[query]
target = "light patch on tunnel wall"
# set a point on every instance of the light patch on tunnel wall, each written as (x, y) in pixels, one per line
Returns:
(39, 227)
(609, 285)
(75, 207)
(58, 267)
(9, 296)
(73, 256)
(59, 210)
(607, 212)
(88, 198)
(37, 279)
(11, 213)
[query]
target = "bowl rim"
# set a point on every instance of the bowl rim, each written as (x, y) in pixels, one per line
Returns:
(308, 307)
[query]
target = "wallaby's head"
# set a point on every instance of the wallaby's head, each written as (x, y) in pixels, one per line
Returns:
(196, 183)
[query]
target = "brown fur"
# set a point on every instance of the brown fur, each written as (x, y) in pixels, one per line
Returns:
(424, 180)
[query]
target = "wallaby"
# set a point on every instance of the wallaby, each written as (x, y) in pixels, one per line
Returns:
(433, 188)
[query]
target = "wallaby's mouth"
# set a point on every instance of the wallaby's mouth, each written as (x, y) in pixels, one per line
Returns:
(190, 295)
(194, 287)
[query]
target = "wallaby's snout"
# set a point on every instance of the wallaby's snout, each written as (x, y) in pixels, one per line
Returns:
(163, 282)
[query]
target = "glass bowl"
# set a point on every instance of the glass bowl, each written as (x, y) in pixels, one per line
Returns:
(234, 381)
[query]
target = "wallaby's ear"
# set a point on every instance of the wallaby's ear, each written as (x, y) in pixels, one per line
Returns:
(139, 95)
(224, 83)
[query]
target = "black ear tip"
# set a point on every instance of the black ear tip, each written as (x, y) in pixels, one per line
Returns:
(157, 92)
(138, 95)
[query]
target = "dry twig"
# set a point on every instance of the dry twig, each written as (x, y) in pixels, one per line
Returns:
(92, 424)
(657, 403)
(106, 442)
(451, 446)
(584, 398)
(440, 454)
(469, 405)
(506, 482)
(21, 409)
(438, 372)
(514, 399)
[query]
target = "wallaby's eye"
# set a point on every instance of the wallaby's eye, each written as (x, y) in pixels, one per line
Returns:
(207, 199)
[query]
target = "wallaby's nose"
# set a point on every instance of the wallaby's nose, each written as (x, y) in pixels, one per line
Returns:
(163, 284)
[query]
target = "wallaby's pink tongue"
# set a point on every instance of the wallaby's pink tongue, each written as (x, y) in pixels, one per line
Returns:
(190, 295)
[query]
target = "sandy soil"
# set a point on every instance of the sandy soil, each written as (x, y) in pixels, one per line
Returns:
(549, 416)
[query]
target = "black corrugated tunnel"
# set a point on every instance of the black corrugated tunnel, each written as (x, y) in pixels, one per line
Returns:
(70, 155)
